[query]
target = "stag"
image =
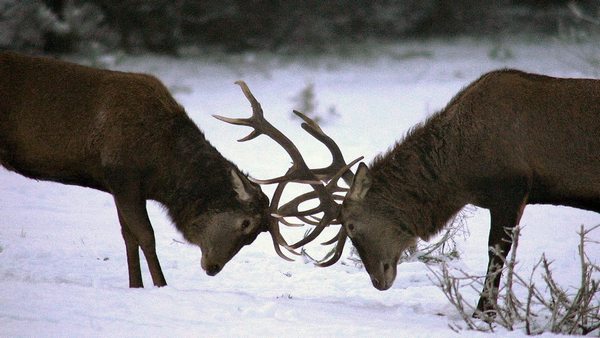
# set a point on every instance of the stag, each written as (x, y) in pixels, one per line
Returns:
(507, 140)
(124, 134)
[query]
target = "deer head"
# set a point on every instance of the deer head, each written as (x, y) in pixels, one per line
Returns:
(222, 230)
(378, 246)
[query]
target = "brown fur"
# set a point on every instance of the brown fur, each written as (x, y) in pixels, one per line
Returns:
(507, 140)
(123, 133)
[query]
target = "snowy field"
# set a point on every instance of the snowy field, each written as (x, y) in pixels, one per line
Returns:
(62, 259)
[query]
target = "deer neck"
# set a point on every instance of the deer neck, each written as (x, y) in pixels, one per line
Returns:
(420, 181)
(194, 177)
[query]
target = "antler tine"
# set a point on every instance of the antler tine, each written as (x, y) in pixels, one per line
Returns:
(337, 161)
(257, 113)
(310, 221)
(256, 107)
(278, 239)
(240, 122)
(325, 221)
(300, 171)
(339, 248)
(288, 223)
(333, 240)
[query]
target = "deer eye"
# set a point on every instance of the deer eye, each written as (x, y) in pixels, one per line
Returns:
(350, 227)
(245, 224)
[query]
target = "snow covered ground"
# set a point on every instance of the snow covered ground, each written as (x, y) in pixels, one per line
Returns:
(62, 259)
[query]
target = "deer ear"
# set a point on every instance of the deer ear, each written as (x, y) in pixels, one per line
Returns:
(241, 186)
(361, 184)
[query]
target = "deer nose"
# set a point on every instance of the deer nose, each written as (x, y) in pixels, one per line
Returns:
(380, 285)
(383, 279)
(213, 269)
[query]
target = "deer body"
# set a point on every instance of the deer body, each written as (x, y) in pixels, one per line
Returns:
(123, 133)
(507, 140)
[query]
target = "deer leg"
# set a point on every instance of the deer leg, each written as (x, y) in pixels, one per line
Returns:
(504, 218)
(137, 232)
(133, 255)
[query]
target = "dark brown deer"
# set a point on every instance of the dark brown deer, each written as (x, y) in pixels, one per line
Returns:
(123, 133)
(507, 140)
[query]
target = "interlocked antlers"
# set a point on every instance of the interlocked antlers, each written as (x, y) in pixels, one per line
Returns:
(324, 181)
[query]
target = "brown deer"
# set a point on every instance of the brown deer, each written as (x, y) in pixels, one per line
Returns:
(507, 140)
(123, 133)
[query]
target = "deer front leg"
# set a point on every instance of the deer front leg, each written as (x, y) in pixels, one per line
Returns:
(503, 219)
(137, 232)
(133, 255)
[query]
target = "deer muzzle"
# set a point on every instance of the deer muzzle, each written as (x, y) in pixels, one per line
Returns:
(384, 276)
(211, 268)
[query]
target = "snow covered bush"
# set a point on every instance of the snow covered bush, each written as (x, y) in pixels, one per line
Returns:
(529, 304)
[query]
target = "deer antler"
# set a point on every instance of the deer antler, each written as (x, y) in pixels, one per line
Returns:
(299, 172)
(291, 208)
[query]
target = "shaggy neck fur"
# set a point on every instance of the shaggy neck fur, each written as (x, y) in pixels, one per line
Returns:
(415, 183)
(198, 178)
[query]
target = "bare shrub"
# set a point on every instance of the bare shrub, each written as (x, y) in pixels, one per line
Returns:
(523, 305)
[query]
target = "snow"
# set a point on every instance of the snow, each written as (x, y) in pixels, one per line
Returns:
(62, 259)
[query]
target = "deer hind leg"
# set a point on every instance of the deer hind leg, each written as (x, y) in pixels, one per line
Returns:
(137, 232)
(504, 217)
